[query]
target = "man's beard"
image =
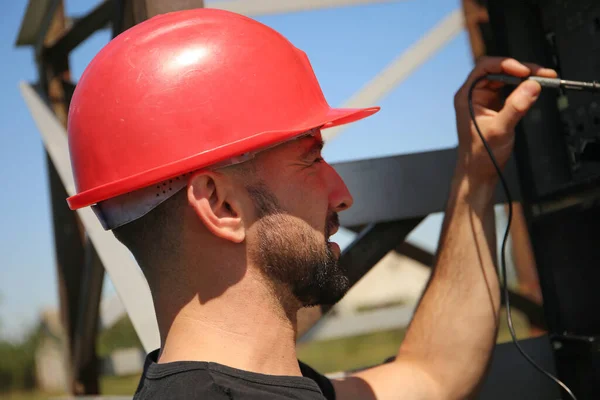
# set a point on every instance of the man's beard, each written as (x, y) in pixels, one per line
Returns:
(290, 253)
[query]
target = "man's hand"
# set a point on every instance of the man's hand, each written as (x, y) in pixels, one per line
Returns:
(448, 344)
(497, 121)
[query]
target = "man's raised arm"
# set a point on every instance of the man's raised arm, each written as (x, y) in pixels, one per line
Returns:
(449, 342)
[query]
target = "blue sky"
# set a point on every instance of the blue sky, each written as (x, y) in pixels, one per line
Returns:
(347, 47)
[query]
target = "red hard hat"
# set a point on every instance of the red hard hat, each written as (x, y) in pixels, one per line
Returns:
(184, 91)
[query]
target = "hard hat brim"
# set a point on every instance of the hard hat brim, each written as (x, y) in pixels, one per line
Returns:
(331, 118)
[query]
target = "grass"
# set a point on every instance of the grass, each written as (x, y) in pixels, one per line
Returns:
(119, 385)
(34, 395)
(343, 354)
(109, 386)
(355, 352)
(350, 353)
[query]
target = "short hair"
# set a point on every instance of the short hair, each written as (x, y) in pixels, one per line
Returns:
(155, 234)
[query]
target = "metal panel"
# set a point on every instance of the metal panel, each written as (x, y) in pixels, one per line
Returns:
(540, 140)
(406, 186)
(565, 242)
(510, 376)
(124, 272)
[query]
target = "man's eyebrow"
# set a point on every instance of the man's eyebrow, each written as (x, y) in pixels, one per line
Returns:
(314, 149)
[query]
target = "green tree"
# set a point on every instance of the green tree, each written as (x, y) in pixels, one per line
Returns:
(119, 336)
(17, 362)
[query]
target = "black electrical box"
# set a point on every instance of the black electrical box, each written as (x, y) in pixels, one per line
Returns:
(558, 142)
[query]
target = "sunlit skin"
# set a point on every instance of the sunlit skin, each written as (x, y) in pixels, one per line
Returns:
(215, 301)
(221, 230)
(304, 183)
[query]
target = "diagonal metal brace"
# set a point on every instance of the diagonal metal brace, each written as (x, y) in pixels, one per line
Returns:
(82, 29)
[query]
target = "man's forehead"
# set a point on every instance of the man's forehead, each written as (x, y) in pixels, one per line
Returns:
(274, 159)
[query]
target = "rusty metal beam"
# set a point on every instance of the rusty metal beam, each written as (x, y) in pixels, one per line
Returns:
(128, 13)
(85, 360)
(35, 22)
(137, 11)
(77, 304)
(476, 16)
(83, 28)
(70, 255)
(68, 234)
(79, 272)
(122, 268)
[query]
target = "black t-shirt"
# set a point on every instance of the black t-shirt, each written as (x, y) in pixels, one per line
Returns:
(208, 380)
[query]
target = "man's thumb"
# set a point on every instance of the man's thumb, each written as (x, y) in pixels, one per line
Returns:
(518, 103)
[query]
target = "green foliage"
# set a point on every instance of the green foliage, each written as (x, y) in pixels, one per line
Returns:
(17, 363)
(109, 386)
(346, 354)
(17, 360)
(119, 385)
(119, 336)
(30, 395)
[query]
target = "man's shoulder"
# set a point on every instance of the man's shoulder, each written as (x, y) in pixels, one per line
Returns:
(184, 383)
(207, 380)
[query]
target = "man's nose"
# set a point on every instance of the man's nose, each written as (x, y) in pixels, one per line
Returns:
(340, 198)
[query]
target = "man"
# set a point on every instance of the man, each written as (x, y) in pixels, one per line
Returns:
(196, 136)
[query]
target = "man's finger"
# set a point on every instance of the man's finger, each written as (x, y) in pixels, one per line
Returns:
(538, 70)
(517, 104)
(497, 65)
(510, 66)
(535, 70)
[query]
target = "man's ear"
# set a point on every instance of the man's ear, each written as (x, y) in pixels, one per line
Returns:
(211, 195)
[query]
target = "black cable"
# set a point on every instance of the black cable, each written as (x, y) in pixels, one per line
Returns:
(503, 248)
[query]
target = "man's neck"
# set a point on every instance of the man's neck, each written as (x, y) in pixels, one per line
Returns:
(245, 328)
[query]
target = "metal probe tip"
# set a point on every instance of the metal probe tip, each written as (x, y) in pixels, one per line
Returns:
(553, 83)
